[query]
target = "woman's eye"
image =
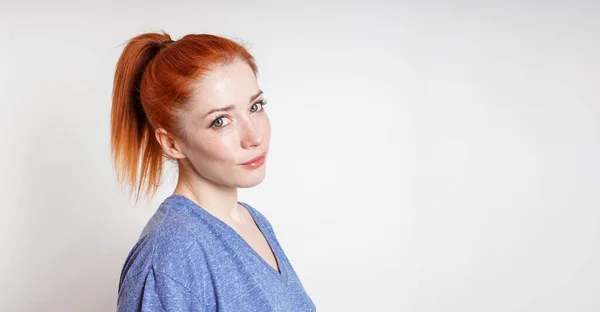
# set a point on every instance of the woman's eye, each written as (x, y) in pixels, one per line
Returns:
(219, 123)
(262, 103)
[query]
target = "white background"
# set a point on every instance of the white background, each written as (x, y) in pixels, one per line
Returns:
(425, 155)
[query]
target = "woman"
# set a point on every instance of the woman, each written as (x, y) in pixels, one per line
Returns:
(196, 101)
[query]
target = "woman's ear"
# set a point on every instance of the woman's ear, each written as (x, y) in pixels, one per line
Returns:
(170, 145)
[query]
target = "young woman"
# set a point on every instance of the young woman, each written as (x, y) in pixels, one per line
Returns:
(196, 101)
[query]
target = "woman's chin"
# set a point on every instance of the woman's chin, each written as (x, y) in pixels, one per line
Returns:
(252, 179)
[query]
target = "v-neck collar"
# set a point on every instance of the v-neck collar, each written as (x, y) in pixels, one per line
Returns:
(240, 239)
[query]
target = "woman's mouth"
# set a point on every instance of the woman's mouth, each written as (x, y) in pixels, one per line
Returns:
(255, 162)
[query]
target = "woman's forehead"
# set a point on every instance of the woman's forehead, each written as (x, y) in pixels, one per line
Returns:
(224, 85)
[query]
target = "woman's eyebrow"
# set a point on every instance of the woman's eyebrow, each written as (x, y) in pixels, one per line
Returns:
(252, 98)
(222, 109)
(230, 107)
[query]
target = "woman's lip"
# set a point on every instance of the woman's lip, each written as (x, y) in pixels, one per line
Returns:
(254, 160)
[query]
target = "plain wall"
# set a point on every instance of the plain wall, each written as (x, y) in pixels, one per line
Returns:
(425, 155)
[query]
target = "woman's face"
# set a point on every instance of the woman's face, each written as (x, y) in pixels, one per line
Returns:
(219, 141)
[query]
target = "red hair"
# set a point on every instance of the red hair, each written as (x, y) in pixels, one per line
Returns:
(154, 81)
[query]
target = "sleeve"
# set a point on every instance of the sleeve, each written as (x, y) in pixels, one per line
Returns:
(158, 292)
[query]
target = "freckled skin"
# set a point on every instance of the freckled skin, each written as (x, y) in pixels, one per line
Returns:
(216, 153)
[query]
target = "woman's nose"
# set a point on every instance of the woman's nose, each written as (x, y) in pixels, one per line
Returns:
(251, 136)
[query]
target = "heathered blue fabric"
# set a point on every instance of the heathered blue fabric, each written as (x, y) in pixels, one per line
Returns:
(186, 259)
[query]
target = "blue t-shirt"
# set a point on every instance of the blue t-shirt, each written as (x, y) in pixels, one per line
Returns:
(186, 259)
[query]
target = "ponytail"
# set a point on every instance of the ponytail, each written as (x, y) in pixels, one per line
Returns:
(132, 135)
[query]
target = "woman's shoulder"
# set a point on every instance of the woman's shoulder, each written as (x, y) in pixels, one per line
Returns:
(167, 239)
(173, 214)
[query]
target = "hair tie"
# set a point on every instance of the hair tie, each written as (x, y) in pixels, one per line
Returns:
(165, 43)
